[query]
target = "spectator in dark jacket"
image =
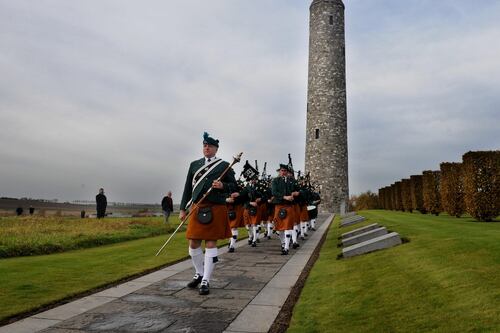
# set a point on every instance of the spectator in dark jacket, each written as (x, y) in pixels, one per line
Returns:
(101, 204)
(167, 206)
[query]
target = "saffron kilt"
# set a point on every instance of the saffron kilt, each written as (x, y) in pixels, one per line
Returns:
(286, 223)
(263, 212)
(304, 214)
(253, 220)
(297, 214)
(238, 222)
(217, 229)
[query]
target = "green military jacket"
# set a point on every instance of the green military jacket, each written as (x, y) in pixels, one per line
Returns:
(205, 183)
(281, 188)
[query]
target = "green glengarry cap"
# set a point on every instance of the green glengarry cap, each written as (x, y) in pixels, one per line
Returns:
(207, 139)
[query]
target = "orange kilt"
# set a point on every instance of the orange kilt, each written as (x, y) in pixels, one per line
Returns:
(263, 212)
(238, 222)
(218, 228)
(297, 214)
(253, 220)
(286, 223)
(304, 214)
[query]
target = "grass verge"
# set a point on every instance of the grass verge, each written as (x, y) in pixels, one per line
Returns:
(31, 284)
(446, 279)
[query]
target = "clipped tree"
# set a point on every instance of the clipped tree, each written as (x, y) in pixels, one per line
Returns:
(398, 196)
(430, 191)
(452, 189)
(481, 176)
(416, 192)
(381, 198)
(387, 198)
(406, 195)
(393, 197)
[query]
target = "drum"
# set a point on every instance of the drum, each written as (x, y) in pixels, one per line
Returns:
(313, 211)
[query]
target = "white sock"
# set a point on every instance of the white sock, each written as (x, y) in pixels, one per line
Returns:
(269, 227)
(294, 234)
(282, 237)
(302, 227)
(250, 232)
(313, 222)
(288, 234)
(255, 233)
(210, 260)
(234, 231)
(197, 259)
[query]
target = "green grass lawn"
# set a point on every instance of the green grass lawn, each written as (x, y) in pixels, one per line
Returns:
(446, 279)
(28, 283)
(34, 235)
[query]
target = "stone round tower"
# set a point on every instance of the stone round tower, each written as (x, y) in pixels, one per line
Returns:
(326, 137)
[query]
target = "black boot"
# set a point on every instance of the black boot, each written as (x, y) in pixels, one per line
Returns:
(195, 281)
(204, 288)
(295, 245)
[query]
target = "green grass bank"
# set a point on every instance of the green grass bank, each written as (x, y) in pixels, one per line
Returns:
(35, 282)
(446, 279)
(36, 235)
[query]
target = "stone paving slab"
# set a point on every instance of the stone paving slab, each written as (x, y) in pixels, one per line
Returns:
(247, 290)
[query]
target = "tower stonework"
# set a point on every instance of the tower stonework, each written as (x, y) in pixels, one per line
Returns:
(326, 137)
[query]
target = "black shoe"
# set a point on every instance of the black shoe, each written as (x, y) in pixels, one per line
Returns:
(231, 250)
(249, 242)
(254, 244)
(195, 281)
(268, 237)
(302, 238)
(295, 245)
(284, 252)
(313, 229)
(204, 288)
(305, 235)
(258, 240)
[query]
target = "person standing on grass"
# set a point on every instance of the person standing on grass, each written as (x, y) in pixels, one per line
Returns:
(101, 204)
(209, 220)
(167, 206)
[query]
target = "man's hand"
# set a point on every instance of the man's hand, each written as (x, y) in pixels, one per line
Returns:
(235, 195)
(230, 200)
(217, 184)
(295, 194)
(288, 197)
(253, 203)
(258, 200)
(182, 215)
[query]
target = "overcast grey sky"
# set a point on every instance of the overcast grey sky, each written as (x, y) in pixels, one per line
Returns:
(118, 93)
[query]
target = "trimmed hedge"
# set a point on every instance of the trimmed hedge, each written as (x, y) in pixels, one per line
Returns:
(416, 192)
(398, 198)
(430, 193)
(406, 195)
(481, 175)
(452, 189)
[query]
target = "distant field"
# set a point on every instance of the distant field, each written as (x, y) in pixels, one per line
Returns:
(446, 279)
(35, 235)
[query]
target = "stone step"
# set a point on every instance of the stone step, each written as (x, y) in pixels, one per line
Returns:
(351, 221)
(378, 243)
(350, 214)
(364, 236)
(359, 231)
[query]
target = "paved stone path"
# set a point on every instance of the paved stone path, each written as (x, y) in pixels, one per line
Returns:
(247, 291)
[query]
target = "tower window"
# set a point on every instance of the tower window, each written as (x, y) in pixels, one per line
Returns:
(317, 133)
(331, 19)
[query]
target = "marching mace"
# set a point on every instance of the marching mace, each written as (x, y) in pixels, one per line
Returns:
(235, 160)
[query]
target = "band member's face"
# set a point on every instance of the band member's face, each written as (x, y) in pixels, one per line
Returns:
(283, 172)
(209, 150)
